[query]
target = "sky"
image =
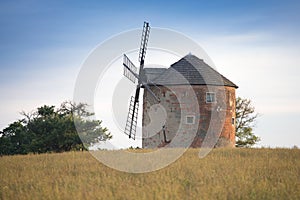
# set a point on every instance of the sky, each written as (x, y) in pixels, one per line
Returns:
(256, 44)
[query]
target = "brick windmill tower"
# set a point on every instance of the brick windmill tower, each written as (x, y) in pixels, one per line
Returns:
(175, 86)
(191, 94)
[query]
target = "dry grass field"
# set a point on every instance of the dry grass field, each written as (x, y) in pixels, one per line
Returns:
(223, 174)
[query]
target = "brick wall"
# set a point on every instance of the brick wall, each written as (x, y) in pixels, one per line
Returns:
(212, 121)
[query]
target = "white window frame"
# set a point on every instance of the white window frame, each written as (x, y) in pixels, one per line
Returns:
(209, 93)
(185, 94)
(193, 119)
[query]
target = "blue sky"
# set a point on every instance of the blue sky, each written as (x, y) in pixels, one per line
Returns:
(256, 44)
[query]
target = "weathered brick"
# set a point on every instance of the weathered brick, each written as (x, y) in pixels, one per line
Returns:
(179, 103)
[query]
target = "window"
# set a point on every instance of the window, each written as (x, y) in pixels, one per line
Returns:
(185, 94)
(230, 99)
(190, 119)
(210, 97)
(232, 121)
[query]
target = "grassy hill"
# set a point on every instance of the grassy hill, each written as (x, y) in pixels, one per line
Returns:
(223, 174)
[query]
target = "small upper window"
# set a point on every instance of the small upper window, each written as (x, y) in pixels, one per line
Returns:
(190, 119)
(232, 121)
(210, 97)
(185, 94)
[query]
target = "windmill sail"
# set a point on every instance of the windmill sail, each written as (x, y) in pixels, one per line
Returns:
(130, 73)
(129, 69)
(145, 37)
(131, 122)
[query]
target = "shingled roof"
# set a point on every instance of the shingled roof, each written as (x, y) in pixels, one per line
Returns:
(188, 70)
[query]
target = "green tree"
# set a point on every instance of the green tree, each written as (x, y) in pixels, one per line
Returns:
(245, 119)
(53, 130)
(13, 139)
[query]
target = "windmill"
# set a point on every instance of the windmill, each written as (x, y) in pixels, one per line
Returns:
(130, 71)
